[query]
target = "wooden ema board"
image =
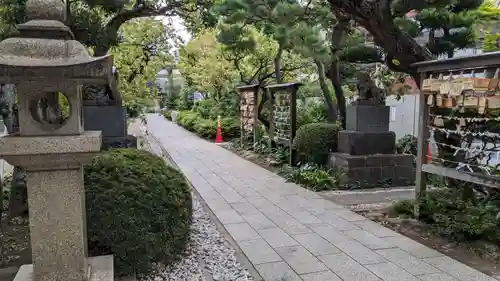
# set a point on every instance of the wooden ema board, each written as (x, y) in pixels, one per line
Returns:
(466, 92)
(247, 109)
(282, 111)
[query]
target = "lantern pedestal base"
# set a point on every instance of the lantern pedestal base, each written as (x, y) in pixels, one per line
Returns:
(56, 201)
(100, 269)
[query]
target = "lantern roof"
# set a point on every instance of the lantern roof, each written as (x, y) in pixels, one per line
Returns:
(46, 49)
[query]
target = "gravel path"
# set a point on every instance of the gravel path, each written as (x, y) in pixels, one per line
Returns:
(208, 256)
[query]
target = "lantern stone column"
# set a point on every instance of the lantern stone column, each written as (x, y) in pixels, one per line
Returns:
(46, 63)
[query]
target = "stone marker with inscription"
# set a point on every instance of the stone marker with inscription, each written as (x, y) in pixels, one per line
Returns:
(45, 62)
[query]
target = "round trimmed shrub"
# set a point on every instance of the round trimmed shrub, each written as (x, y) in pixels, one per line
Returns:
(314, 141)
(138, 209)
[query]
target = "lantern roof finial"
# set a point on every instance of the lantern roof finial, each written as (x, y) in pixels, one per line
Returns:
(46, 10)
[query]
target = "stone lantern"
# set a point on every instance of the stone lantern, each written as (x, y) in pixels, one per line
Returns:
(45, 62)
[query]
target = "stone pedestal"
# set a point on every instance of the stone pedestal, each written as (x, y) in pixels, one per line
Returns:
(56, 199)
(372, 170)
(366, 149)
(363, 143)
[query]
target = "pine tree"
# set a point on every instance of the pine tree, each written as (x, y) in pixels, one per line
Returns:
(449, 28)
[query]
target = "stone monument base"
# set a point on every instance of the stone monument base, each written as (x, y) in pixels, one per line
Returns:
(377, 169)
(366, 143)
(101, 269)
(119, 142)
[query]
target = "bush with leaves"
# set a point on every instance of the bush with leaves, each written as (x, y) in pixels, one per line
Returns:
(187, 119)
(315, 141)
(447, 214)
(407, 145)
(185, 99)
(168, 114)
(207, 128)
(138, 209)
(312, 113)
(312, 177)
(204, 108)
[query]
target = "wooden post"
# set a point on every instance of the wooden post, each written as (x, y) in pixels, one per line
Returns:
(293, 124)
(422, 141)
(255, 114)
(270, 97)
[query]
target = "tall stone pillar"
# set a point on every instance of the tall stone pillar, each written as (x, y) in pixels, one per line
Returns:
(45, 63)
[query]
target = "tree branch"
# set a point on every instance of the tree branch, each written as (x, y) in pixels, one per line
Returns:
(376, 18)
(140, 9)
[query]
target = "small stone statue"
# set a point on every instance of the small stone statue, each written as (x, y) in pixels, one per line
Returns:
(367, 90)
(100, 94)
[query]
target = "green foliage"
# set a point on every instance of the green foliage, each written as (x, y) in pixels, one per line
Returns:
(312, 177)
(185, 99)
(447, 214)
(315, 141)
(138, 209)
(12, 12)
(491, 42)
(455, 20)
(168, 114)
(278, 154)
(228, 105)
(407, 145)
(187, 119)
(204, 67)
(312, 113)
(139, 57)
(207, 128)
(204, 108)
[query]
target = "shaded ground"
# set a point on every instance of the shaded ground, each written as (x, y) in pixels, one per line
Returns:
(479, 255)
(14, 243)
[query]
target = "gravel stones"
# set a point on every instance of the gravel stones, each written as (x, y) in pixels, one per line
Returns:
(208, 256)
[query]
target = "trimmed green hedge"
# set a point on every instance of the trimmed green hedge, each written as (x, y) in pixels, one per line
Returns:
(138, 209)
(315, 141)
(168, 115)
(207, 128)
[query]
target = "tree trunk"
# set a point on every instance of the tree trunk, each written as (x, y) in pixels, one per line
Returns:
(332, 110)
(450, 52)
(337, 43)
(334, 76)
(277, 64)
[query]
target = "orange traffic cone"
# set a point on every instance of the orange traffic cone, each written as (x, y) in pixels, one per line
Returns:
(429, 153)
(218, 137)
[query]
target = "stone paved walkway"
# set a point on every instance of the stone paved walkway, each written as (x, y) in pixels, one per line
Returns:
(289, 233)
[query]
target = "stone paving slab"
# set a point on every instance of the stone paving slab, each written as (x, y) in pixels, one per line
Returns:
(289, 233)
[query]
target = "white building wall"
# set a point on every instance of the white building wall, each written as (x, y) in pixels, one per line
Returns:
(404, 115)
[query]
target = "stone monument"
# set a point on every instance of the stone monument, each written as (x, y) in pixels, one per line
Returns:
(103, 111)
(367, 149)
(45, 62)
